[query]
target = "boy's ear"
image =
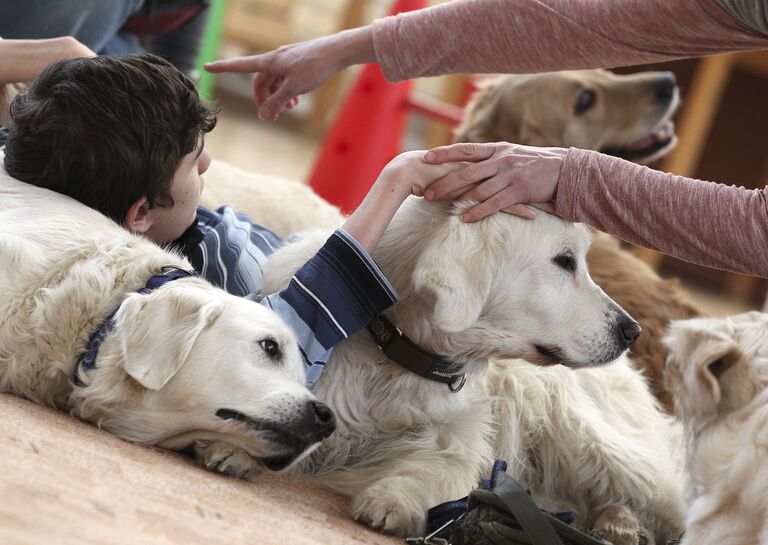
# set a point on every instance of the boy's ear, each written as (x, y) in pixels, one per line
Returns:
(138, 219)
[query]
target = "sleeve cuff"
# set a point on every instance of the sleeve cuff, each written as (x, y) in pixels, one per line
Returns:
(384, 35)
(568, 190)
(333, 295)
(345, 283)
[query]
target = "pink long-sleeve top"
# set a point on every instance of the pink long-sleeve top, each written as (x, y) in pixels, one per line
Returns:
(706, 223)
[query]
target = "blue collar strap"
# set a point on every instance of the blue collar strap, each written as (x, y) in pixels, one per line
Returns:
(87, 359)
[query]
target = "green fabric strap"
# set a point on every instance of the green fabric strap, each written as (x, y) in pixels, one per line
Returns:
(535, 524)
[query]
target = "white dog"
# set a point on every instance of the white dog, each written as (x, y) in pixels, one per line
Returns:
(718, 370)
(590, 440)
(182, 363)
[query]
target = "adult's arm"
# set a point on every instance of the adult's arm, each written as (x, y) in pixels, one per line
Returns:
(22, 60)
(526, 36)
(707, 223)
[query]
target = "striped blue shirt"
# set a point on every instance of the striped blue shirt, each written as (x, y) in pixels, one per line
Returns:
(333, 295)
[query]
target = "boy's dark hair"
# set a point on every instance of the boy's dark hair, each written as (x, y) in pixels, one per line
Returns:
(106, 130)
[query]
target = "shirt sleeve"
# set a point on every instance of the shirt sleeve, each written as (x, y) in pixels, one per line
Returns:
(332, 296)
(710, 224)
(528, 36)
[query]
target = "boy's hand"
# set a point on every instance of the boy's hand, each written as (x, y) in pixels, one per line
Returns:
(409, 174)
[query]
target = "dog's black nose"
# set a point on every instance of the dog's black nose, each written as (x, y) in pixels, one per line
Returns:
(325, 420)
(630, 331)
(665, 87)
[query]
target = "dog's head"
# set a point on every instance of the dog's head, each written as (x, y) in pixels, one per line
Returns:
(623, 115)
(716, 366)
(190, 362)
(503, 287)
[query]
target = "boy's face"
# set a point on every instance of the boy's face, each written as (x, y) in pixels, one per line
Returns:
(168, 224)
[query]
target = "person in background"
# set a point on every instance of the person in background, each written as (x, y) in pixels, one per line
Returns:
(172, 29)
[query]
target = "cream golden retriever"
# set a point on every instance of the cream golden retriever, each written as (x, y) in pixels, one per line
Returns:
(624, 115)
(183, 363)
(581, 437)
(718, 370)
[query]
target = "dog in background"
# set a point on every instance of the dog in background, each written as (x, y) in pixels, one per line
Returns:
(718, 371)
(628, 116)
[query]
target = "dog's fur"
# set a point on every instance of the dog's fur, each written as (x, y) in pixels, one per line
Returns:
(176, 356)
(588, 440)
(718, 370)
(539, 110)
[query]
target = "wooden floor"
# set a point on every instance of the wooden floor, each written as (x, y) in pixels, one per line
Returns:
(65, 482)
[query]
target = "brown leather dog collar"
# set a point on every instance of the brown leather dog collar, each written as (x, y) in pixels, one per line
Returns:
(403, 351)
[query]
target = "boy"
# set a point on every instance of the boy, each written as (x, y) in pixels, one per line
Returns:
(124, 135)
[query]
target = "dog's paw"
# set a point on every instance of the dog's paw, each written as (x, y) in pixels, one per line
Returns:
(392, 506)
(227, 459)
(618, 525)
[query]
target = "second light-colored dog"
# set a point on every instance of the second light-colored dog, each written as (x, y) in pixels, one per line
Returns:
(718, 370)
(587, 440)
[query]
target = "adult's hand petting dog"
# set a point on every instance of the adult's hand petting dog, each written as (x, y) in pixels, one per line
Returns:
(502, 176)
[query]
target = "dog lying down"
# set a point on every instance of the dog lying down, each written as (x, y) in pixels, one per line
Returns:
(184, 362)
(718, 369)
(581, 437)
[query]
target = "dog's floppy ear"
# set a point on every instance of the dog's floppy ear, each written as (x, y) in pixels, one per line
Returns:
(157, 332)
(708, 358)
(457, 268)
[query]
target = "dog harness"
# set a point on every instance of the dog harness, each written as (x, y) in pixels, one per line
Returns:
(403, 351)
(87, 359)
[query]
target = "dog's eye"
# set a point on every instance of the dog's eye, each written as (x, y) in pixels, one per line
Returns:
(270, 347)
(565, 261)
(585, 101)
